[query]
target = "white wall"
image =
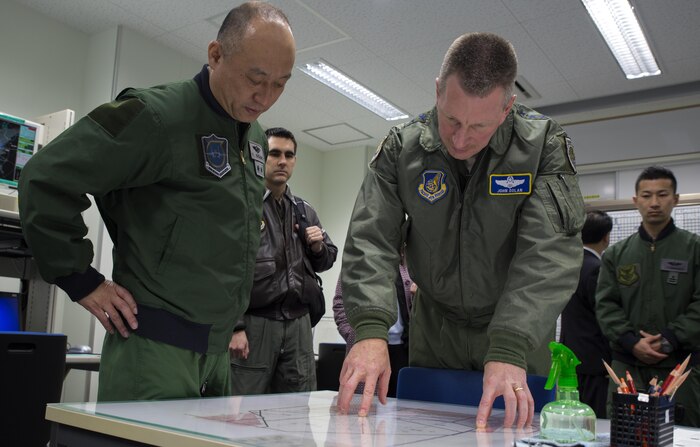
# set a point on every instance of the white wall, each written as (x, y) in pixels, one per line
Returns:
(43, 63)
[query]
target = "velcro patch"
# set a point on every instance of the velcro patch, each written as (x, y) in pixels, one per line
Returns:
(116, 116)
(510, 184)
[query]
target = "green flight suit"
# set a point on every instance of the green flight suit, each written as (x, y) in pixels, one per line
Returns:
(178, 184)
(495, 262)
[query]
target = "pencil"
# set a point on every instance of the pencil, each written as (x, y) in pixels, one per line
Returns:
(684, 365)
(677, 384)
(630, 382)
(669, 380)
(612, 374)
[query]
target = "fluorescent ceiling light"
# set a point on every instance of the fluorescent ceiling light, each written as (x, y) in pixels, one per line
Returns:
(620, 29)
(341, 83)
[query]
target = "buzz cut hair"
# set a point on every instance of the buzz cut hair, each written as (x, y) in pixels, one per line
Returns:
(656, 173)
(237, 23)
(483, 62)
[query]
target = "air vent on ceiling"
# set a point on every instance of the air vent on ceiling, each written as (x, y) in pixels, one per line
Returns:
(525, 89)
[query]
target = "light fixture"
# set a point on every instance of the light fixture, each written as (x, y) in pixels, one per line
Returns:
(619, 27)
(323, 72)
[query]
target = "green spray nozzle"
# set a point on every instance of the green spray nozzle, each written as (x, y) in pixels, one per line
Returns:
(563, 370)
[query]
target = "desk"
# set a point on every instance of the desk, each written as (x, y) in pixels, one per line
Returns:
(297, 419)
(87, 362)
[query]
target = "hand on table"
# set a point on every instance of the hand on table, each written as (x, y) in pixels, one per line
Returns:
(509, 381)
(368, 362)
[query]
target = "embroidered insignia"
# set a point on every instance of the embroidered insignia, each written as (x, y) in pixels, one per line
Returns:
(672, 278)
(256, 151)
(262, 226)
(379, 150)
(259, 169)
(628, 274)
(674, 265)
(531, 114)
(216, 155)
(510, 184)
(433, 187)
(570, 155)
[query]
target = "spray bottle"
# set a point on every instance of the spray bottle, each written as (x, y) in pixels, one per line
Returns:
(566, 419)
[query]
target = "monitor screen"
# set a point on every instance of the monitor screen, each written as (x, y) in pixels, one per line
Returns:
(10, 319)
(18, 141)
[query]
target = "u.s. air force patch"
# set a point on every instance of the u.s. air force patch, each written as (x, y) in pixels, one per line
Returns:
(628, 274)
(433, 187)
(215, 151)
(510, 184)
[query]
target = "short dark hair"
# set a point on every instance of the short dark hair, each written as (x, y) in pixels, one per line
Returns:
(482, 61)
(237, 21)
(597, 225)
(655, 173)
(281, 132)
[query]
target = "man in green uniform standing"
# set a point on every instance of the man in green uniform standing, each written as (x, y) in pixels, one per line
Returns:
(177, 174)
(648, 295)
(484, 192)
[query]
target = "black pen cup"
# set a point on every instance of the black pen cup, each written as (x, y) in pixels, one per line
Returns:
(641, 420)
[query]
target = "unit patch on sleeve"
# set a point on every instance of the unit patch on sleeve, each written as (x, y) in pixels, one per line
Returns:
(215, 151)
(257, 154)
(570, 155)
(510, 184)
(433, 187)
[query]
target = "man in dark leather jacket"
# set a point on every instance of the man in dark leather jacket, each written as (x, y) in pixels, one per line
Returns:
(272, 347)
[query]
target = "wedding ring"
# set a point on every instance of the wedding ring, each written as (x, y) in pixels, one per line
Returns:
(517, 388)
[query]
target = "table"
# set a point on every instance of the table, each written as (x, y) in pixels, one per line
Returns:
(297, 419)
(87, 362)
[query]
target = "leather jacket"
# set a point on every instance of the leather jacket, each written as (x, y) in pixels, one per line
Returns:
(284, 261)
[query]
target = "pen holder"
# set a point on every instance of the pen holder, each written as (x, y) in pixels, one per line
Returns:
(641, 420)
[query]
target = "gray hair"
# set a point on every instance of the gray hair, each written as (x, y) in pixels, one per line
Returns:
(237, 21)
(482, 61)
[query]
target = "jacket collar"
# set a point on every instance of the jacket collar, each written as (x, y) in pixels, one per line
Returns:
(430, 136)
(668, 229)
(287, 193)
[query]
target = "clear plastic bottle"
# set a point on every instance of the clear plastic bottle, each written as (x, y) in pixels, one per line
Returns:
(566, 419)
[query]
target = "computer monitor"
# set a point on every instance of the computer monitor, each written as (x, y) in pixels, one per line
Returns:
(19, 139)
(10, 313)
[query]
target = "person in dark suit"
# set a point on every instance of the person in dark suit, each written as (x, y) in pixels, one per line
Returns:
(580, 330)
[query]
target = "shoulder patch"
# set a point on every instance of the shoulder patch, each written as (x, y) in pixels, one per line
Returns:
(570, 155)
(115, 116)
(531, 114)
(379, 150)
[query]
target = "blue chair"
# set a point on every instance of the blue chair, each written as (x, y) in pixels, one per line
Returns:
(456, 386)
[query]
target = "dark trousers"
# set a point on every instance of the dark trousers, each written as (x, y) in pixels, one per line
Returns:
(593, 391)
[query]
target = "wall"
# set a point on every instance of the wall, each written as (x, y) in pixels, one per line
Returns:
(43, 61)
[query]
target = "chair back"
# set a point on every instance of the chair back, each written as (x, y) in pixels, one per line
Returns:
(32, 367)
(456, 386)
(330, 363)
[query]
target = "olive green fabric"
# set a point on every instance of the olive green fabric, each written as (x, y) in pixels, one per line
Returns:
(504, 263)
(185, 239)
(137, 368)
(281, 358)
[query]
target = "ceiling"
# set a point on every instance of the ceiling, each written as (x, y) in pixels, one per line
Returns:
(395, 47)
